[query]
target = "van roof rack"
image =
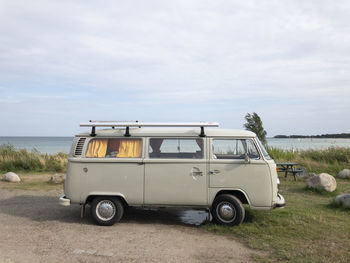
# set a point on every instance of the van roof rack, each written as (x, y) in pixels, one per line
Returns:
(128, 124)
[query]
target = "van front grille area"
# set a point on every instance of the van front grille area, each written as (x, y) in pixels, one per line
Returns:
(79, 148)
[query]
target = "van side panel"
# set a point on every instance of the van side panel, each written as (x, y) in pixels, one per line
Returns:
(72, 184)
(253, 178)
(113, 177)
(274, 177)
(176, 182)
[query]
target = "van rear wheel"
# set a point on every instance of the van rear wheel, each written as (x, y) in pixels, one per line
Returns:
(228, 210)
(106, 211)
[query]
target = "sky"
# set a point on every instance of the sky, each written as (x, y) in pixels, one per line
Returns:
(66, 62)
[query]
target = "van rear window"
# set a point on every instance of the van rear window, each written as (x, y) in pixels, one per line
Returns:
(176, 148)
(114, 148)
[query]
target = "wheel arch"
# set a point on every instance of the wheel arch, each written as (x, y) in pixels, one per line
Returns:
(91, 196)
(238, 193)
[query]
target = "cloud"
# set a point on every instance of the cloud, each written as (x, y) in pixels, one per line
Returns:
(181, 58)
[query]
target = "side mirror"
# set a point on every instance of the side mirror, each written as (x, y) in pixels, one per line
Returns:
(246, 158)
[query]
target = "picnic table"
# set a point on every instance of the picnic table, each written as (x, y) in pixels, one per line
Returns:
(290, 168)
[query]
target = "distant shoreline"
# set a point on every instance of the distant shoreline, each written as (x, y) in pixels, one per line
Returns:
(322, 136)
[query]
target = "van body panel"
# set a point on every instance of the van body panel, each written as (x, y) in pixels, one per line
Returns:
(176, 182)
(274, 177)
(252, 178)
(120, 176)
(72, 183)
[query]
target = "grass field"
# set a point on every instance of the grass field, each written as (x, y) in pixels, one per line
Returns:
(32, 181)
(308, 229)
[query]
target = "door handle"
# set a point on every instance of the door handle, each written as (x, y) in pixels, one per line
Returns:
(196, 172)
(214, 171)
(199, 173)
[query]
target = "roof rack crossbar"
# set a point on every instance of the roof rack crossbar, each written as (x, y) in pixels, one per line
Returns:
(128, 124)
(148, 124)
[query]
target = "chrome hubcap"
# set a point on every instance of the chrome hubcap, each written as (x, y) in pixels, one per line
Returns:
(226, 212)
(105, 210)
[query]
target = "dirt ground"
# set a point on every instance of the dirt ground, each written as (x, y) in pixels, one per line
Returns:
(35, 228)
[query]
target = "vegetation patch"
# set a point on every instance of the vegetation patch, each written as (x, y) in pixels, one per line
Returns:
(329, 161)
(321, 191)
(308, 229)
(311, 227)
(13, 160)
(32, 181)
(337, 206)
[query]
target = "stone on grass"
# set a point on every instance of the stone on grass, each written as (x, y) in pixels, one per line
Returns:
(11, 177)
(344, 174)
(306, 175)
(57, 178)
(322, 181)
(343, 200)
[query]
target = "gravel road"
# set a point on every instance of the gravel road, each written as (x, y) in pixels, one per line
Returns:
(34, 228)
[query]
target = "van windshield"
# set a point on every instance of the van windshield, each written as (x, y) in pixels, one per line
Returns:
(265, 153)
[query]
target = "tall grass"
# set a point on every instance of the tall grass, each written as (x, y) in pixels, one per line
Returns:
(330, 160)
(15, 160)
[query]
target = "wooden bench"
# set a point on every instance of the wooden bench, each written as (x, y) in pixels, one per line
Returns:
(290, 168)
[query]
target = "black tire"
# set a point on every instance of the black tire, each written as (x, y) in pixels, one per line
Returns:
(106, 211)
(228, 210)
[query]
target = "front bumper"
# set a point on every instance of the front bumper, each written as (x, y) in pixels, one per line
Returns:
(281, 202)
(64, 201)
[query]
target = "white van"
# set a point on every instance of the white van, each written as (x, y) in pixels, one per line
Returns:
(169, 165)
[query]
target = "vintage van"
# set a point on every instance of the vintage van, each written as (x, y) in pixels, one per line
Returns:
(135, 164)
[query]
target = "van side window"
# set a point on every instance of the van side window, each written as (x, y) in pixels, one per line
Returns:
(176, 148)
(234, 149)
(114, 148)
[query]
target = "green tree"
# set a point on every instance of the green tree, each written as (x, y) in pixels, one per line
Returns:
(255, 125)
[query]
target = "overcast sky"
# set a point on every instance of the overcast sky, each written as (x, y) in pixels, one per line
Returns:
(65, 62)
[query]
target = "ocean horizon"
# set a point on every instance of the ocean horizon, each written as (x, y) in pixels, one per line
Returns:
(53, 144)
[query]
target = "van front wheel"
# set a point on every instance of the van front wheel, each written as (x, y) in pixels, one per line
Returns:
(228, 210)
(106, 210)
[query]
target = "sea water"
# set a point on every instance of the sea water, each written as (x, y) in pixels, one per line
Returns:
(53, 145)
(308, 143)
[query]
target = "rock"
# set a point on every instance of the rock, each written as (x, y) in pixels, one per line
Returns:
(312, 174)
(57, 178)
(11, 177)
(343, 200)
(306, 175)
(322, 181)
(344, 174)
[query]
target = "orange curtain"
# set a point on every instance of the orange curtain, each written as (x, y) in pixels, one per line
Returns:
(129, 149)
(97, 148)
